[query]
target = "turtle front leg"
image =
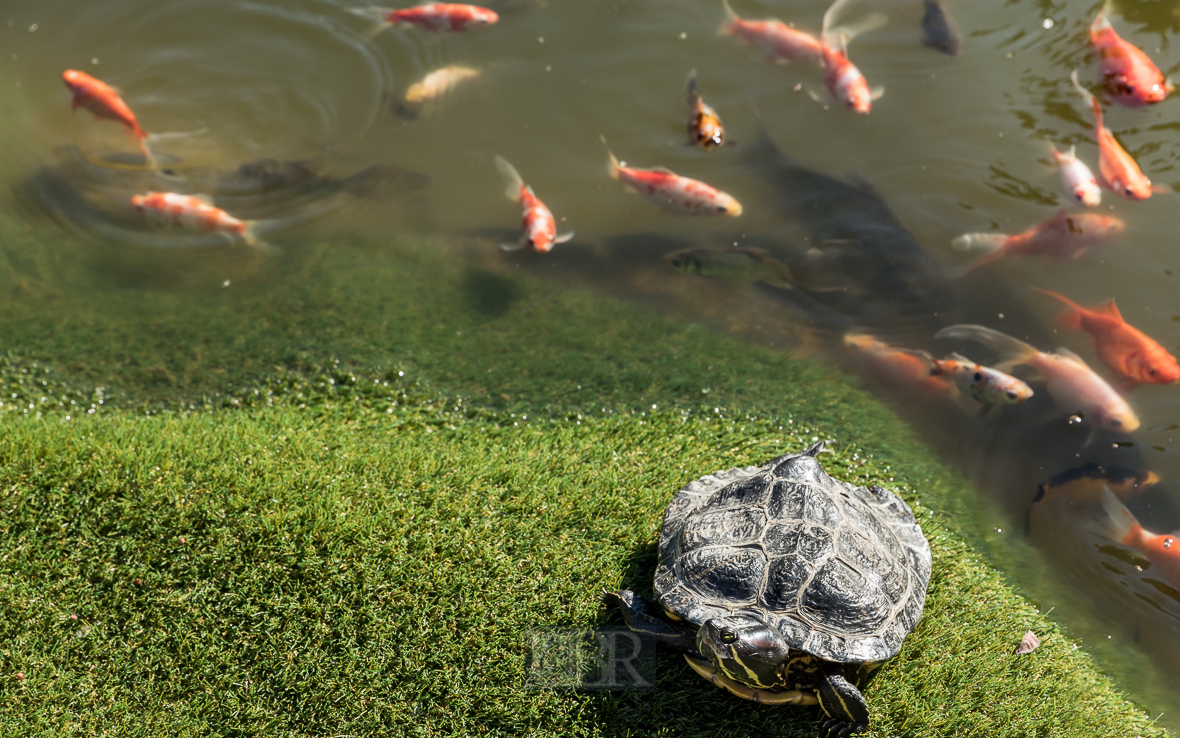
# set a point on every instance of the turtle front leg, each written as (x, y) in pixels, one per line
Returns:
(634, 611)
(842, 702)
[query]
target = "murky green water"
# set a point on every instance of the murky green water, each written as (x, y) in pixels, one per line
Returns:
(955, 145)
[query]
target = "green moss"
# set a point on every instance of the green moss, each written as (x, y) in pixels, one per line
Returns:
(429, 460)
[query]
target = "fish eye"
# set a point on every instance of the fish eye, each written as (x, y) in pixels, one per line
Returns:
(721, 208)
(1117, 423)
(1011, 395)
(1129, 191)
(1153, 372)
(978, 377)
(728, 636)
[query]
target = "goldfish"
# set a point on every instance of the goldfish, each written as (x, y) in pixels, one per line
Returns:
(897, 367)
(939, 30)
(738, 264)
(1063, 235)
(432, 86)
(1077, 177)
(446, 17)
(843, 80)
(540, 229)
(1119, 172)
(192, 213)
(671, 191)
(1073, 385)
(1132, 355)
(987, 385)
(104, 101)
(704, 125)
(781, 42)
(1115, 522)
(1131, 77)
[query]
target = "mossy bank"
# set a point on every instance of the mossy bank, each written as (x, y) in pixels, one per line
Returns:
(338, 496)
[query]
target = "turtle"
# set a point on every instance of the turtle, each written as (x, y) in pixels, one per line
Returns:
(785, 586)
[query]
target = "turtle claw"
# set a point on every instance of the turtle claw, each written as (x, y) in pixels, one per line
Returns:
(840, 728)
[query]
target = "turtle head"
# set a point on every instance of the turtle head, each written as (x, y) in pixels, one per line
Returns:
(745, 649)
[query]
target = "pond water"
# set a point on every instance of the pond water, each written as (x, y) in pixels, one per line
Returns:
(294, 114)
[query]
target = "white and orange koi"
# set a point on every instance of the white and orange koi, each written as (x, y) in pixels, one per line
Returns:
(443, 17)
(1065, 234)
(780, 41)
(104, 101)
(898, 367)
(540, 229)
(1118, 171)
(193, 213)
(1077, 177)
(1115, 522)
(987, 385)
(842, 78)
(704, 125)
(671, 191)
(1073, 385)
(438, 83)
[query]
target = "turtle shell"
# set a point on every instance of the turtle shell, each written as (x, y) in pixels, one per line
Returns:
(840, 571)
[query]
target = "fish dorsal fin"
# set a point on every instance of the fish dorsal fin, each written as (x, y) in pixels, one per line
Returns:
(663, 170)
(1107, 308)
(756, 254)
(1063, 351)
(959, 357)
(832, 243)
(207, 199)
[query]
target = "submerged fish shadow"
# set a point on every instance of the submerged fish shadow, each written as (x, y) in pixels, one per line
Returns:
(489, 294)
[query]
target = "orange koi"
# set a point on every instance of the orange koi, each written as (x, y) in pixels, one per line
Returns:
(1118, 171)
(192, 213)
(843, 80)
(1128, 352)
(898, 367)
(1077, 177)
(444, 17)
(704, 125)
(1063, 235)
(540, 229)
(103, 100)
(671, 191)
(1070, 382)
(1130, 76)
(1115, 522)
(781, 42)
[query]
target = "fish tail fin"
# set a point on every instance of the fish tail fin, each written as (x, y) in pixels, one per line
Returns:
(379, 17)
(612, 164)
(1088, 97)
(250, 238)
(989, 242)
(870, 22)
(730, 18)
(1112, 520)
(1071, 319)
(1012, 350)
(691, 89)
(1102, 21)
(514, 184)
(141, 138)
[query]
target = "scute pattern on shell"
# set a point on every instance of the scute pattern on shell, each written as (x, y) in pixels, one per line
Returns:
(840, 571)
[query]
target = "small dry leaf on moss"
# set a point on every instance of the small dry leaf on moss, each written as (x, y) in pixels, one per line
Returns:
(1028, 643)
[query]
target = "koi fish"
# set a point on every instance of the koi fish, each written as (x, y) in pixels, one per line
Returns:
(1084, 483)
(843, 80)
(987, 385)
(431, 87)
(1128, 352)
(193, 213)
(1063, 235)
(444, 17)
(737, 264)
(103, 100)
(1070, 382)
(1077, 177)
(540, 229)
(1130, 76)
(781, 42)
(1115, 522)
(897, 367)
(671, 191)
(704, 125)
(1119, 172)
(939, 30)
